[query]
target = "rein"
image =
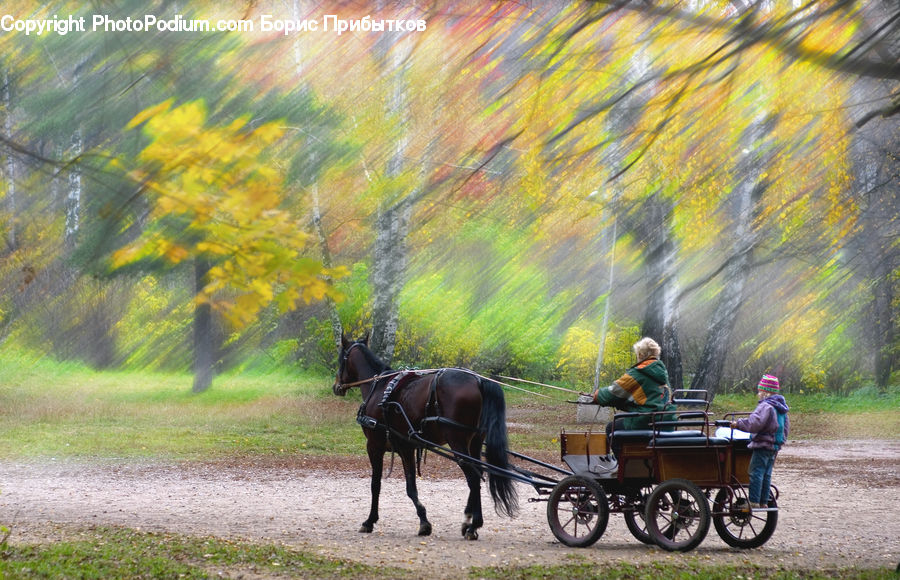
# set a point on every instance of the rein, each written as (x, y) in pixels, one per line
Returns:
(346, 386)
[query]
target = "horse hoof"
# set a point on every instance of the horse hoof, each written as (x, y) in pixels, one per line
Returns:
(366, 529)
(472, 535)
(425, 530)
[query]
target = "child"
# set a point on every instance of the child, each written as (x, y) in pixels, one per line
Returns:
(769, 426)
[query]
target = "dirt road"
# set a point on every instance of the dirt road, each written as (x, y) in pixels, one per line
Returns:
(839, 507)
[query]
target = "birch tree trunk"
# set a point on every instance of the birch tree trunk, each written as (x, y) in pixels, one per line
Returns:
(12, 240)
(392, 220)
(388, 274)
(74, 192)
(652, 224)
(744, 207)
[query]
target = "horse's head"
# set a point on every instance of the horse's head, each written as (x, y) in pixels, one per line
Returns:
(352, 365)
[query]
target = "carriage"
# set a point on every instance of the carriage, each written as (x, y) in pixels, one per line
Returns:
(667, 484)
(668, 481)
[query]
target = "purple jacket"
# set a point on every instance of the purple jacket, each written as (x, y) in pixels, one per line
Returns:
(763, 422)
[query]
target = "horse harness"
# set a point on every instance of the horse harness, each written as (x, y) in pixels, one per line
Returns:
(398, 381)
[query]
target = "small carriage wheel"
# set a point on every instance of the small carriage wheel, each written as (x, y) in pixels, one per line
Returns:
(677, 515)
(577, 511)
(634, 516)
(737, 525)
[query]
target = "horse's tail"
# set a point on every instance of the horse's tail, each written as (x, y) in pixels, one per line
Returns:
(493, 423)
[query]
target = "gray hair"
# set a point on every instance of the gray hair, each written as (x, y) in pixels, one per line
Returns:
(646, 348)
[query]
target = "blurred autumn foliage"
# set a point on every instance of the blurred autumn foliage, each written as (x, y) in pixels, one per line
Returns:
(514, 188)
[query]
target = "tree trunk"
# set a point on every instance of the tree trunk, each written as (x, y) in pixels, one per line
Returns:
(388, 272)
(653, 225)
(12, 239)
(337, 328)
(394, 214)
(745, 205)
(611, 253)
(884, 318)
(74, 193)
(875, 172)
(204, 349)
(876, 167)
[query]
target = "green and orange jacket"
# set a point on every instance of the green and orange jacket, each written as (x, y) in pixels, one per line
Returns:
(644, 388)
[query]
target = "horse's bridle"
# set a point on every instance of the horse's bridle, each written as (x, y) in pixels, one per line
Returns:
(344, 387)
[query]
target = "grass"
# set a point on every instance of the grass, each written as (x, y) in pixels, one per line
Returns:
(113, 553)
(50, 409)
(667, 571)
(862, 414)
(108, 553)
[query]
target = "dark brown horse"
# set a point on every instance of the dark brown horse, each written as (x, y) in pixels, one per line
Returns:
(449, 407)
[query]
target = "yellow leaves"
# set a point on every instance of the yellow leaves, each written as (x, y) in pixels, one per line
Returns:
(183, 120)
(215, 248)
(218, 192)
(124, 256)
(269, 133)
(149, 113)
(827, 34)
(154, 247)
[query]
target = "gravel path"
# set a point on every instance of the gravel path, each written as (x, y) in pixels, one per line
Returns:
(839, 507)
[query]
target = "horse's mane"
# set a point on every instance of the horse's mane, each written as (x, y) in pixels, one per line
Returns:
(377, 364)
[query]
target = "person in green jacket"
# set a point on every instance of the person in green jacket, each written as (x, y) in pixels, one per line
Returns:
(644, 388)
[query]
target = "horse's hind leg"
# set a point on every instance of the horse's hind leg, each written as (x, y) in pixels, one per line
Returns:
(376, 458)
(409, 470)
(473, 516)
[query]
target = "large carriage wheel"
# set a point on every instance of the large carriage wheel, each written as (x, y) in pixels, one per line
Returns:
(577, 511)
(677, 515)
(737, 525)
(634, 516)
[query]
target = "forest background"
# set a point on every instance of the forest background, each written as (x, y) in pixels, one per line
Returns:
(520, 188)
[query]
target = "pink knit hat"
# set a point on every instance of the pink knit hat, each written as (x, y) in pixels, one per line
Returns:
(768, 383)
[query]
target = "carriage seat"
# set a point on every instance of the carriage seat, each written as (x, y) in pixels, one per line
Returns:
(623, 436)
(692, 441)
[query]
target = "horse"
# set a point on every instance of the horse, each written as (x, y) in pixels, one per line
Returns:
(404, 410)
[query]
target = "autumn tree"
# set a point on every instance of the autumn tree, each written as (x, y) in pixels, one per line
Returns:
(217, 200)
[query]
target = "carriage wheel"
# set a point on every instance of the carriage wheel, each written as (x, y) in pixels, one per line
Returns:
(737, 525)
(577, 511)
(677, 515)
(634, 516)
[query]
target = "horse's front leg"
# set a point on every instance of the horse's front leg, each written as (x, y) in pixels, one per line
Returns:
(376, 458)
(409, 470)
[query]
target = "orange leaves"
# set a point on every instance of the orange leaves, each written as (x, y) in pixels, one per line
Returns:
(217, 194)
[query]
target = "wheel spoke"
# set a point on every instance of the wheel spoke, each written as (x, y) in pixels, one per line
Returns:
(738, 525)
(577, 511)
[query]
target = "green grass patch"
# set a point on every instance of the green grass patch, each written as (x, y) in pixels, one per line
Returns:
(674, 571)
(862, 414)
(51, 409)
(864, 400)
(110, 553)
